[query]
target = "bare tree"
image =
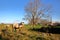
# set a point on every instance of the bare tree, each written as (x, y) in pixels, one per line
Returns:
(34, 11)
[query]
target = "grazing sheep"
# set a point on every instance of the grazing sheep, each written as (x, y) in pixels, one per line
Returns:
(17, 26)
(7, 26)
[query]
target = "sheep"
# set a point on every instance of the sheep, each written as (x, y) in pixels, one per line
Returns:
(18, 25)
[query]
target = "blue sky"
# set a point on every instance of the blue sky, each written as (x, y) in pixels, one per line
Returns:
(13, 10)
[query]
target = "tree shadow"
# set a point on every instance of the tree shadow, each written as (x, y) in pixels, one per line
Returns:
(47, 30)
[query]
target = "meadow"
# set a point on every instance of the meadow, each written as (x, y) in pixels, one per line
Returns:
(25, 33)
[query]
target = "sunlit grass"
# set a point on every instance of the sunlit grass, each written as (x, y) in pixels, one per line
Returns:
(24, 33)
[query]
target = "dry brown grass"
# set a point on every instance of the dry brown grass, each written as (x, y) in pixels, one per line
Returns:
(25, 34)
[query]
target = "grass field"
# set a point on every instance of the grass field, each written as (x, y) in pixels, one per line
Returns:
(25, 34)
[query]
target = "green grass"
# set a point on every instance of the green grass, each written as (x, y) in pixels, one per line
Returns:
(30, 27)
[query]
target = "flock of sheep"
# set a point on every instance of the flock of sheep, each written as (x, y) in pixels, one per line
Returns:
(16, 26)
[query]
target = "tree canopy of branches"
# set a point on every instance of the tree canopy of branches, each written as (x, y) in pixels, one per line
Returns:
(35, 10)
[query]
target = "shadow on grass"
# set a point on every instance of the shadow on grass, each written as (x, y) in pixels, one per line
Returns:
(47, 30)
